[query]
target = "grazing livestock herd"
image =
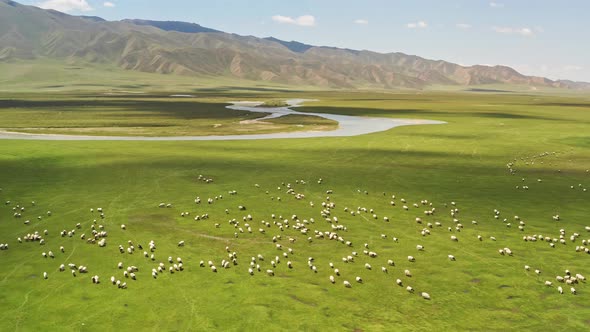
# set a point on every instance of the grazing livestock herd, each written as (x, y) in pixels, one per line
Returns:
(324, 223)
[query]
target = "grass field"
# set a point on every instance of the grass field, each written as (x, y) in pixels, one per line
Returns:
(464, 161)
(140, 115)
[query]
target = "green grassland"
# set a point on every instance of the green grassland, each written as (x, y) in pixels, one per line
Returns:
(464, 161)
(140, 115)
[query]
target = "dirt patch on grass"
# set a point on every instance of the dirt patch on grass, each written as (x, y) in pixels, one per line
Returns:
(475, 281)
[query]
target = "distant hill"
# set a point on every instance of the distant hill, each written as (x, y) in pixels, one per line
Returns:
(173, 26)
(181, 48)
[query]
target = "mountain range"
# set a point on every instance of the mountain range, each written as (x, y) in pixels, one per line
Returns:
(30, 33)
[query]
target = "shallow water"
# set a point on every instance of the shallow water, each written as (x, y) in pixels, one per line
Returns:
(347, 126)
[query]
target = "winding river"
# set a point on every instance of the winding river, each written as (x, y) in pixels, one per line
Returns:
(347, 126)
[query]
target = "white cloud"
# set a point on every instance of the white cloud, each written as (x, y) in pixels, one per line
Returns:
(304, 21)
(419, 25)
(66, 5)
(496, 5)
(527, 32)
(572, 68)
(109, 4)
(361, 21)
(463, 26)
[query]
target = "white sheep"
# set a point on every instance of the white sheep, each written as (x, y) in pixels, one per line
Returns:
(408, 273)
(347, 284)
(411, 259)
(359, 280)
(410, 289)
(425, 295)
(451, 257)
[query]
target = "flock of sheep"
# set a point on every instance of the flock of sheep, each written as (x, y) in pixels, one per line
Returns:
(282, 231)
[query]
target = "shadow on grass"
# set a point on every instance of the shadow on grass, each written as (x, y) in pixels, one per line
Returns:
(418, 113)
(129, 109)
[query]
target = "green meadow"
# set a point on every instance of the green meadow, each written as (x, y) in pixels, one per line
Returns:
(544, 137)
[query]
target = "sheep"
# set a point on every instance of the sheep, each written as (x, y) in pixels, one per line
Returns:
(410, 289)
(408, 273)
(411, 259)
(451, 257)
(425, 295)
(337, 272)
(347, 284)
(270, 272)
(332, 280)
(454, 238)
(62, 268)
(573, 291)
(359, 280)
(548, 283)
(213, 268)
(45, 275)
(368, 266)
(419, 247)
(537, 271)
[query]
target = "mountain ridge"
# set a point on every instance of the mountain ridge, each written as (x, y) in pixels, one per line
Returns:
(181, 48)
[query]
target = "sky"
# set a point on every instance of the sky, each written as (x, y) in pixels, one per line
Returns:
(549, 38)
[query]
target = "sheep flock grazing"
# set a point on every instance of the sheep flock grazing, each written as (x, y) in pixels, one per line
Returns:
(332, 242)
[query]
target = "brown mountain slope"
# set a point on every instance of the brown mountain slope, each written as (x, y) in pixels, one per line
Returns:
(30, 33)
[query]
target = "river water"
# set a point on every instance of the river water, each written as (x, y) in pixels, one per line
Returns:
(347, 126)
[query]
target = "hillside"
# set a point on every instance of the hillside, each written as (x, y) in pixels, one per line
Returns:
(30, 33)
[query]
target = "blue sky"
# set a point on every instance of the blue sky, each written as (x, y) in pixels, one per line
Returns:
(548, 38)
